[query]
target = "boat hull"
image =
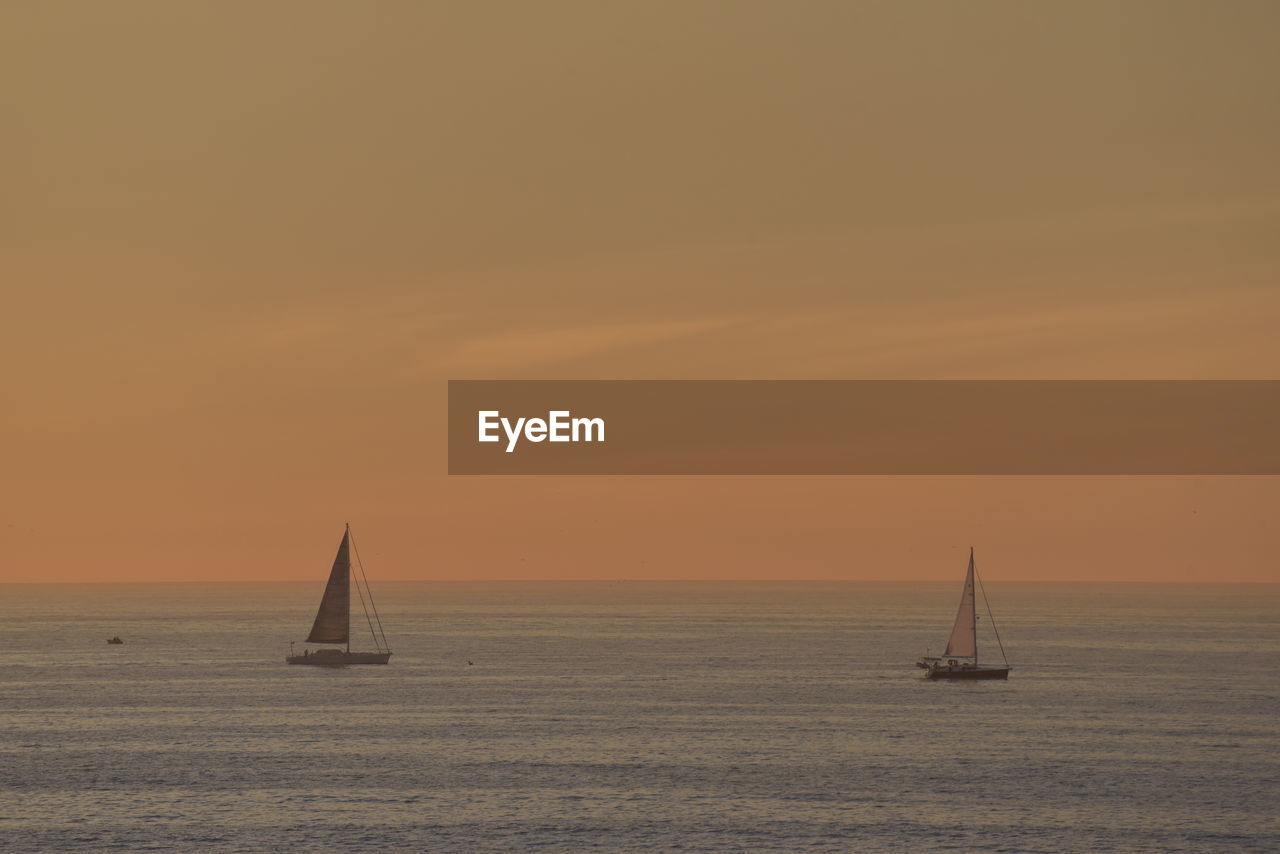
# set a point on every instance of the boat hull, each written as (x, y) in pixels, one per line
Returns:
(338, 658)
(967, 672)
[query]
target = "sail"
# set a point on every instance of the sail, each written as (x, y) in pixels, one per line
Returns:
(333, 620)
(963, 642)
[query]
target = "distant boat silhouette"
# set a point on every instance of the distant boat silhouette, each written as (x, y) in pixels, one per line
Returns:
(960, 659)
(114, 640)
(333, 620)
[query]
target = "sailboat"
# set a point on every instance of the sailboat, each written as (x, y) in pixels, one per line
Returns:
(333, 620)
(960, 659)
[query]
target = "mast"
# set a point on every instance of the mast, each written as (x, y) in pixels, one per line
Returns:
(346, 538)
(973, 604)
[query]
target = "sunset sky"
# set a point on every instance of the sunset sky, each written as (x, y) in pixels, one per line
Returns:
(244, 246)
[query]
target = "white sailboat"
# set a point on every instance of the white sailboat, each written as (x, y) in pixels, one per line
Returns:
(960, 659)
(333, 619)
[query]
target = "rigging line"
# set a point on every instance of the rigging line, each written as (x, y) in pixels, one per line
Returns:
(365, 608)
(369, 589)
(990, 616)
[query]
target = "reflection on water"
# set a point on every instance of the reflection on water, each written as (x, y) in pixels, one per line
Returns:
(640, 717)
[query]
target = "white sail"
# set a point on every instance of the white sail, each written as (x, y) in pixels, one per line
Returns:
(963, 642)
(333, 620)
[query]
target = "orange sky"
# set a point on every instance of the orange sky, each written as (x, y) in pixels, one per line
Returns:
(244, 246)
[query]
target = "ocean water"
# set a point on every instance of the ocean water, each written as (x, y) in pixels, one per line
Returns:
(624, 717)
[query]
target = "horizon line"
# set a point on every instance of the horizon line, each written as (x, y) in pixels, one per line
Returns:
(652, 580)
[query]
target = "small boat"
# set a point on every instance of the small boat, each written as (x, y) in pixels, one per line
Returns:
(114, 640)
(333, 619)
(960, 659)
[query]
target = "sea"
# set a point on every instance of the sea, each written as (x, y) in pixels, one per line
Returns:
(639, 716)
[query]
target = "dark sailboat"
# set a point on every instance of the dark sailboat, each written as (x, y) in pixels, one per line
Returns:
(333, 620)
(960, 659)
